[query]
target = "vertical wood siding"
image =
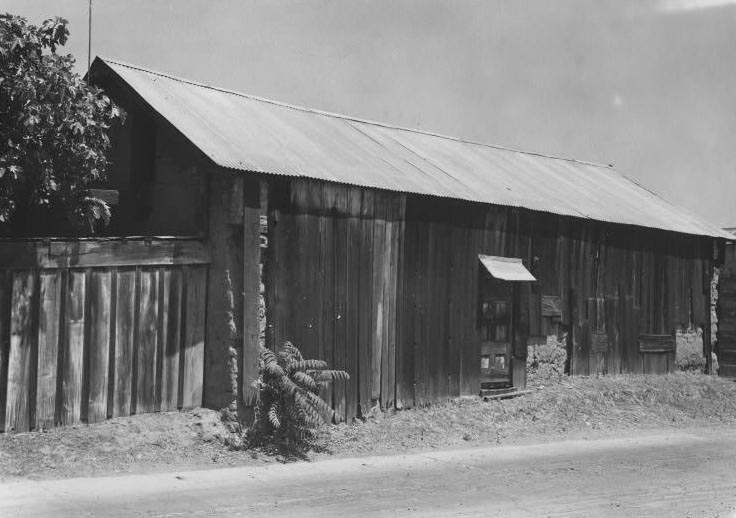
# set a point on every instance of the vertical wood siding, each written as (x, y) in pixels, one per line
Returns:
(386, 286)
(332, 285)
(105, 338)
(727, 314)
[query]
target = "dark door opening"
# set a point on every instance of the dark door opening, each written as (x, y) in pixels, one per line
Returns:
(496, 331)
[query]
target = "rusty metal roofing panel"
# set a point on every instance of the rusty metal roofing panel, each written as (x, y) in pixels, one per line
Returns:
(248, 133)
(506, 268)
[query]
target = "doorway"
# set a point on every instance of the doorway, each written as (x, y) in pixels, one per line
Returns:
(498, 308)
(496, 331)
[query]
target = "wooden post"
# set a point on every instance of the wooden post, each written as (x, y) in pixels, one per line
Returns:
(255, 199)
(707, 282)
(520, 312)
(225, 242)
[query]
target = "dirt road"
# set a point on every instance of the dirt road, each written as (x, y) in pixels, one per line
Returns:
(666, 474)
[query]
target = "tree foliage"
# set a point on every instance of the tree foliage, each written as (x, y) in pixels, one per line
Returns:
(53, 126)
(289, 406)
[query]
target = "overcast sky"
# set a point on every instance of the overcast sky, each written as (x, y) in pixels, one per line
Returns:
(647, 85)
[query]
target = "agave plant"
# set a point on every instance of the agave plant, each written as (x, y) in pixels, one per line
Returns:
(289, 406)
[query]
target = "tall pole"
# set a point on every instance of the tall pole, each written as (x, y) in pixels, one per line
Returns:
(89, 39)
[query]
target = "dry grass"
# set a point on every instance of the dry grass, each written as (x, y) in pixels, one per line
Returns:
(143, 443)
(588, 405)
(198, 439)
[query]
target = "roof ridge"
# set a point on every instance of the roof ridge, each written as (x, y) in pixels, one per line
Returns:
(348, 117)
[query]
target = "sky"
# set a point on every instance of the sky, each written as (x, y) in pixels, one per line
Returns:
(646, 85)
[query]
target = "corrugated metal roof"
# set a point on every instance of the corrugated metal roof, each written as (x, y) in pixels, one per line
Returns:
(249, 133)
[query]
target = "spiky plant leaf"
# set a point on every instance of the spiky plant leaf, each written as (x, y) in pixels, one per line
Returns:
(288, 404)
(273, 415)
(330, 375)
(304, 365)
(304, 380)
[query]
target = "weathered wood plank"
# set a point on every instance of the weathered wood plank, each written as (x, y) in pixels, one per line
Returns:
(353, 304)
(378, 299)
(420, 323)
(436, 376)
(17, 413)
(193, 353)
(6, 289)
(405, 344)
(48, 348)
(124, 341)
(73, 364)
(341, 244)
(614, 357)
(327, 297)
(99, 344)
(147, 343)
(455, 321)
(650, 343)
(397, 237)
(84, 253)
(387, 388)
(365, 310)
(471, 345)
(171, 338)
(124, 253)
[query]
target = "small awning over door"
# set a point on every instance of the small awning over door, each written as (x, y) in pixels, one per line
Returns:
(506, 268)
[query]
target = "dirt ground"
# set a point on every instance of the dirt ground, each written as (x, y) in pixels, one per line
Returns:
(577, 407)
(666, 473)
(574, 407)
(137, 444)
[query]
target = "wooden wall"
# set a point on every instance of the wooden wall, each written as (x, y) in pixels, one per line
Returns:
(332, 270)
(438, 328)
(91, 329)
(619, 289)
(384, 285)
(727, 314)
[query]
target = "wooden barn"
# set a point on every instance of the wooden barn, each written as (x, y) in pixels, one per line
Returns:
(424, 265)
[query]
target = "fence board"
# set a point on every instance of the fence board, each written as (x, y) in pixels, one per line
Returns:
(171, 338)
(195, 279)
(147, 342)
(73, 355)
(17, 414)
(48, 348)
(124, 338)
(81, 253)
(6, 288)
(99, 344)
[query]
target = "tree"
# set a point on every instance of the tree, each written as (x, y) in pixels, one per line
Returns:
(53, 128)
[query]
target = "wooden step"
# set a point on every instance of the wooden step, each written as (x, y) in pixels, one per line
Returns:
(503, 393)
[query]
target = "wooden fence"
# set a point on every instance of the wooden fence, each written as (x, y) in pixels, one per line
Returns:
(91, 329)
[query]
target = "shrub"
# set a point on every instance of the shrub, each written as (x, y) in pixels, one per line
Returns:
(689, 350)
(289, 407)
(546, 362)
